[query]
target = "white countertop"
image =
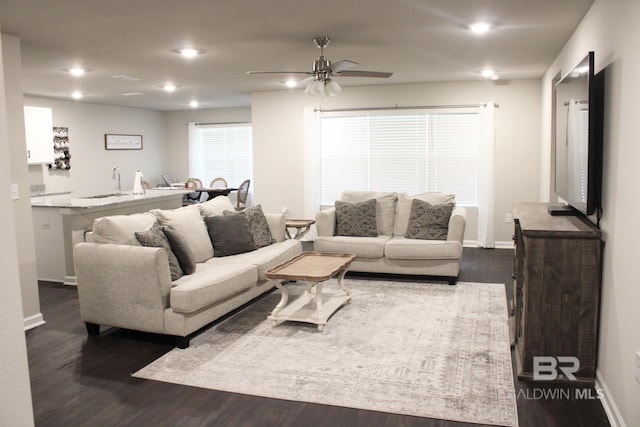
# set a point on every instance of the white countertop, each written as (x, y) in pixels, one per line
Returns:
(87, 202)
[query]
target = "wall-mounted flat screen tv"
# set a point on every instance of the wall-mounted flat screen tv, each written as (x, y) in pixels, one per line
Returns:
(579, 99)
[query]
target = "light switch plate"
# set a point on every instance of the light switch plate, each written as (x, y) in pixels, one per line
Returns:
(638, 366)
(15, 195)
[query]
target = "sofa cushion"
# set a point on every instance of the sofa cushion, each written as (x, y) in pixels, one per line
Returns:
(188, 222)
(155, 238)
(403, 208)
(264, 258)
(209, 285)
(229, 234)
(427, 221)
(385, 207)
(180, 248)
(258, 225)
(362, 247)
(403, 248)
(356, 219)
(216, 206)
(120, 229)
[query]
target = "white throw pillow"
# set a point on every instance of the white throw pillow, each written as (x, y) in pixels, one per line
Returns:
(189, 223)
(385, 207)
(403, 207)
(121, 229)
(216, 206)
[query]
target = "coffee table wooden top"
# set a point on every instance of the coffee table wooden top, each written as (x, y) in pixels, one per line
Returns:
(311, 266)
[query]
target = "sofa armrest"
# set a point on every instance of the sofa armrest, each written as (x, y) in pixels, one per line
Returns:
(326, 222)
(457, 224)
(122, 285)
(277, 225)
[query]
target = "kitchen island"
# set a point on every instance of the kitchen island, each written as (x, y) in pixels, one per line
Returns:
(60, 221)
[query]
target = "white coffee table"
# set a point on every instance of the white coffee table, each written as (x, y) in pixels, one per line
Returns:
(313, 306)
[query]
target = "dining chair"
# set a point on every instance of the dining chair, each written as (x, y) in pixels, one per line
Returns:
(218, 183)
(243, 192)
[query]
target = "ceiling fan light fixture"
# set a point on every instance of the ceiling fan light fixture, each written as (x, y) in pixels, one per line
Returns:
(332, 88)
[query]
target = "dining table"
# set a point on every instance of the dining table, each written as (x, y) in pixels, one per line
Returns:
(213, 192)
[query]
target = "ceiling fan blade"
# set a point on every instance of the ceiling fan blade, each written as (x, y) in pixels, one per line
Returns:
(279, 72)
(381, 74)
(305, 81)
(340, 66)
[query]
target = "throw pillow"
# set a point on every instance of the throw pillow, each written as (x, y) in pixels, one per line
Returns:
(180, 248)
(155, 238)
(258, 225)
(229, 234)
(188, 222)
(427, 221)
(356, 219)
(216, 206)
(385, 207)
(403, 207)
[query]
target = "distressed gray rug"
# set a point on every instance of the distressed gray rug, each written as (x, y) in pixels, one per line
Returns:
(419, 349)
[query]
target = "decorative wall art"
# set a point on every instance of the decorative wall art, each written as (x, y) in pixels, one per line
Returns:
(122, 142)
(61, 152)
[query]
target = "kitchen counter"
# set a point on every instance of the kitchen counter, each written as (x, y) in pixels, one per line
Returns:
(60, 221)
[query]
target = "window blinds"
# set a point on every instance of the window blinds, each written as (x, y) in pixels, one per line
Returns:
(409, 152)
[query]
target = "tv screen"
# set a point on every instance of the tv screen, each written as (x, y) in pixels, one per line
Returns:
(578, 138)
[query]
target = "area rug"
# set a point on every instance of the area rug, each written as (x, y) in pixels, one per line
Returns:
(421, 349)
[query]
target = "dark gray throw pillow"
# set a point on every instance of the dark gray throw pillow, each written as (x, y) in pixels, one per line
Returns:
(155, 238)
(258, 225)
(229, 234)
(180, 248)
(427, 221)
(356, 219)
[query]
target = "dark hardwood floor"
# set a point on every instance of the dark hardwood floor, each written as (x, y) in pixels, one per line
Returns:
(82, 381)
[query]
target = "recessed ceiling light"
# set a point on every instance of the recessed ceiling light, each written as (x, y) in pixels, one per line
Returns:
(487, 73)
(169, 87)
(495, 77)
(194, 104)
(77, 71)
(189, 52)
(480, 27)
(77, 95)
(131, 93)
(291, 83)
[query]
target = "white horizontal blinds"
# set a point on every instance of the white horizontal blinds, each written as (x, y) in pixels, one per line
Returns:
(452, 165)
(227, 152)
(344, 158)
(397, 152)
(413, 152)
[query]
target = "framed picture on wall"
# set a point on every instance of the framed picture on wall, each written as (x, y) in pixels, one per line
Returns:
(122, 142)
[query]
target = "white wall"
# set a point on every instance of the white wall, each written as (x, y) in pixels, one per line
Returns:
(15, 392)
(611, 29)
(92, 165)
(279, 150)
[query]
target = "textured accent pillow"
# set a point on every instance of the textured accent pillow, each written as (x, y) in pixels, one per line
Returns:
(229, 234)
(403, 207)
(258, 225)
(356, 219)
(427, 221)
(155, 238)
(180, 248)
(385, 207)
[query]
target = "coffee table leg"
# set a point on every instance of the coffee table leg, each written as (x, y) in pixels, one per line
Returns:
(340, 282)
(283, 299)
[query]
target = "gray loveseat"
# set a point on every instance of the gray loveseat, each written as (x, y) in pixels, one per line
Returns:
(390, 251)
(124, 284)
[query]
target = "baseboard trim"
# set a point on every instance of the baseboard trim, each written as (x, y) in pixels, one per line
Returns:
(33, 321)
(609, 405)
(499, 245)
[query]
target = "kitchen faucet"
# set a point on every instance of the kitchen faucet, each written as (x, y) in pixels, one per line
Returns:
(116, 178)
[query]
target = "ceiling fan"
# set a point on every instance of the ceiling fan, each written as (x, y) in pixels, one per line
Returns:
(320, 80)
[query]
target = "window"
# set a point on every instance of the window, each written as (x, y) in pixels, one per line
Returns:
(223, 150)
(411, 152)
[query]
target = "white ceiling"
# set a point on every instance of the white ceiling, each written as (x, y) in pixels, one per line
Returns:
(417, 40)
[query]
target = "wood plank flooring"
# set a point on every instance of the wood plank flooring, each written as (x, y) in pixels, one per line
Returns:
(82, 381)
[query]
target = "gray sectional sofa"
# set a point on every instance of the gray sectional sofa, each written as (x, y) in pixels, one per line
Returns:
(391, 251)
(124, 284)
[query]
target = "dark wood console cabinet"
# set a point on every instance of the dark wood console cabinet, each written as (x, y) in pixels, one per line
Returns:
(557, 289)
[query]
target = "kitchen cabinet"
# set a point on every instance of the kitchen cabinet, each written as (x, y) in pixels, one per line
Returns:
(38, 126)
